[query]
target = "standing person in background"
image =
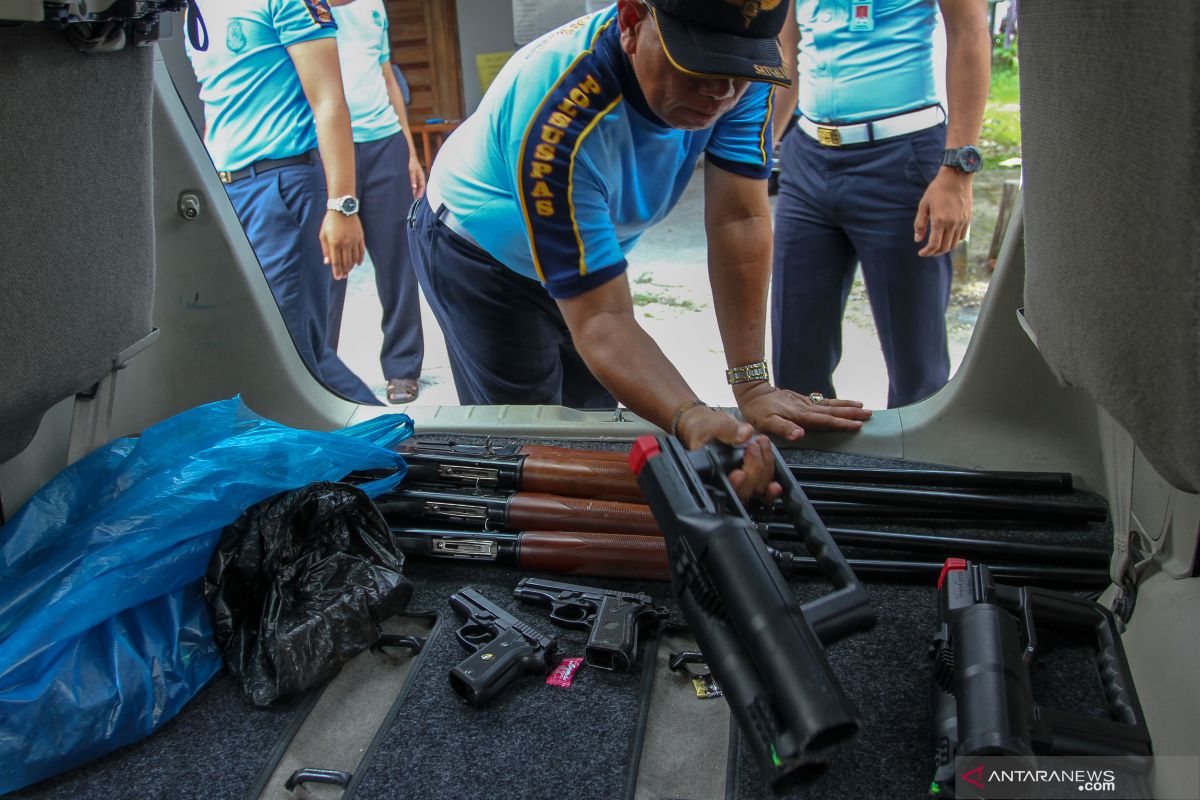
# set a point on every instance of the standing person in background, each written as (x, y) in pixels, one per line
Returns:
(389, 177)
(272, 94)
(875, 172)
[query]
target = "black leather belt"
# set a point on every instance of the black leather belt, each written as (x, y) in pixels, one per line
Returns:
(265, 164)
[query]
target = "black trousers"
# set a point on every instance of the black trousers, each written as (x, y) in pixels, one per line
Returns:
(508, 342)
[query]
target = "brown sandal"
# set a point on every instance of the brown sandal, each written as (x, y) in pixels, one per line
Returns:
(402, 390)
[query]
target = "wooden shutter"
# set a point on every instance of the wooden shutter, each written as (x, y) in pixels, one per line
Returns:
(424, 39)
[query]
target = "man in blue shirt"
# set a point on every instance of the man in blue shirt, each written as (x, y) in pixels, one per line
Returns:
(272, 91)
(874, 172)
(587, 137)
(389, 176)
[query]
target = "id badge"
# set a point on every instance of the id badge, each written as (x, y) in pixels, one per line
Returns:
(862, 15)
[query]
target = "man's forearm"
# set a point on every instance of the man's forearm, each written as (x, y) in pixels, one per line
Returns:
(739, 272)
(622, 355)
(408, 137)
(337, 147)
(739, 265)
(631, 365)
(968, 75)
(396, 97)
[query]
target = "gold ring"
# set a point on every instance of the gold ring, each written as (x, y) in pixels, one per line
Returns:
(817, 398)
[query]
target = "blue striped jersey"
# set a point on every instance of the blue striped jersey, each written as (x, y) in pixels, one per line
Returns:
(563, 166)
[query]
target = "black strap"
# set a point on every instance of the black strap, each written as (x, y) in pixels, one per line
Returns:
(196, 27)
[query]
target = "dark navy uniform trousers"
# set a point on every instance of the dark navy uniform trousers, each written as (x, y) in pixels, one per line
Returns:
(386, 195)
(508, 343)
(840, 206)
(282, 210)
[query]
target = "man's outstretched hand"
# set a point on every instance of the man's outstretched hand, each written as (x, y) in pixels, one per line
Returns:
(786, 414)
(768, 410)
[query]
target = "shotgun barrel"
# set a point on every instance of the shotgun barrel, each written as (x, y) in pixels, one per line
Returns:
(1012, 508)
(958, 546)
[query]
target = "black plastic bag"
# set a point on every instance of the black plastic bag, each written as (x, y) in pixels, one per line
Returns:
(299, 585)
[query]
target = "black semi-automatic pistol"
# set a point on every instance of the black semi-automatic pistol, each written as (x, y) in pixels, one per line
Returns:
(504, 648)
(614, 618)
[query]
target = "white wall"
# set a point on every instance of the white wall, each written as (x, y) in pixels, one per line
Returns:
(484, 26)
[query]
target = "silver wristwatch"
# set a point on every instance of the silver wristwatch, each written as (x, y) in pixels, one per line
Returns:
(347, 204)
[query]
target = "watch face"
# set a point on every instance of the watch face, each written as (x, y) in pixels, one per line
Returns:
(349, 205)
(970, 159)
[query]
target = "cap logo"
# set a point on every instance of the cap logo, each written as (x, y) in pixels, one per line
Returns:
(752, 8)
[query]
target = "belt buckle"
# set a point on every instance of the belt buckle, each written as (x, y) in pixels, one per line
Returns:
(226, 177)
(830, 137)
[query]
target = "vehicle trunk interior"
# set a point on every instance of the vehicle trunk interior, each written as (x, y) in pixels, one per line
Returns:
(121, 311)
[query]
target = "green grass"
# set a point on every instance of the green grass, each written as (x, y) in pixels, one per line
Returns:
(1006, 86)
(1000, 138)
(653, 295)
(664, 299)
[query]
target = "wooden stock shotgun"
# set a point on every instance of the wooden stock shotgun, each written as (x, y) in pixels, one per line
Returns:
(605, 475)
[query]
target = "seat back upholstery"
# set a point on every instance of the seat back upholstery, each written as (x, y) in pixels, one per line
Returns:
(77, 239)
(1110, 106)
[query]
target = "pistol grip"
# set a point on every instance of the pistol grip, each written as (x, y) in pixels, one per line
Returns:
(613, 642)
(485, 673)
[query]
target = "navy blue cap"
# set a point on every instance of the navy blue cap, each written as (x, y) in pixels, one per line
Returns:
(724, 38)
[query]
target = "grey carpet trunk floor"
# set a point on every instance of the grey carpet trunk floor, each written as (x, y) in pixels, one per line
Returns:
(537, 741)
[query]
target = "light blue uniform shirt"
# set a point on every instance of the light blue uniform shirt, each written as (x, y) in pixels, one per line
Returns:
(865, 59)
(563, 166)
(254, 106)
(363, 50)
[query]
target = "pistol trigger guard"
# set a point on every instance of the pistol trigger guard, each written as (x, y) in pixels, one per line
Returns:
(579, 616)
(474, 635)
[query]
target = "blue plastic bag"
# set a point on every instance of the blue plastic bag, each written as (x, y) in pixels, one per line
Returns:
(104, 633)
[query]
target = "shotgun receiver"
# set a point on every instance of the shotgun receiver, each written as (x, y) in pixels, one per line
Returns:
(532, 468)
(765, 650)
